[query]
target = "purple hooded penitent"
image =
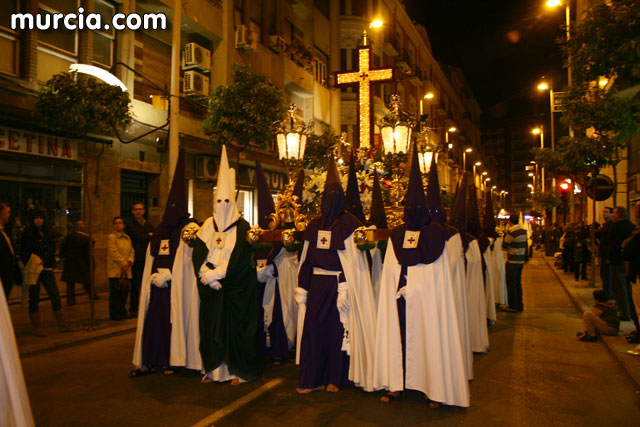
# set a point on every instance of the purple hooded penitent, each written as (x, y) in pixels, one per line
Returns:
(432, 239)
(458, 217)
(489, 223)
(333, 199)
(353, 203)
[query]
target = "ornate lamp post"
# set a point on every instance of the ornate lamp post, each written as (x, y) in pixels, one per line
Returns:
(292, 139)
(395, 129)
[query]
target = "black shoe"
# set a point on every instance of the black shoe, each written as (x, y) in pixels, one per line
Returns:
(508, 309)
(586, 337)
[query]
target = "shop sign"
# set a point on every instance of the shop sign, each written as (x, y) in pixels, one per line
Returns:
(37, 144)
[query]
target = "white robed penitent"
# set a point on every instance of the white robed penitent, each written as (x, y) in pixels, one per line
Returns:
(478, 330)
(489, 282)
(185, 302)
(15, 409)
(435, 361)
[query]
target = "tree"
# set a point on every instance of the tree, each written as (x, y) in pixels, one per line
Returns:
(604, 44)
(243, 113)
(75, 106)
(319, 148)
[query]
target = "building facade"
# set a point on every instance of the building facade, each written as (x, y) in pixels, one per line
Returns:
(297, 44)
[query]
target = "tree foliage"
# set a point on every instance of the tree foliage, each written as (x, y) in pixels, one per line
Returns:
(76, 105)
(319, 148)
(244, 112)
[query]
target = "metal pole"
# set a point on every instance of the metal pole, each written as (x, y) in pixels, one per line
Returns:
(174, 117)
(542, 169)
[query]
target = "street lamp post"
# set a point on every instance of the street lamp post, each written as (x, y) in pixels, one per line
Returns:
(464, 158)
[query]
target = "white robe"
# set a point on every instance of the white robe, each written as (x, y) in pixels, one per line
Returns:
(435, 361)
(376, 269)
(455, 254)
(15, 409)
(287, 264)
(361, 316)
(500, 282)
(489, 286)
(185, 311)
(478, 331)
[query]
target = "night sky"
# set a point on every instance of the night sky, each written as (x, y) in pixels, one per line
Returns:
(502, 46)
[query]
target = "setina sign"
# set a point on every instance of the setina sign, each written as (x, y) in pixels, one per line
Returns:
(24, 142)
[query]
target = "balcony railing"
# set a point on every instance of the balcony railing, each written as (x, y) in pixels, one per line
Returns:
(301, 55)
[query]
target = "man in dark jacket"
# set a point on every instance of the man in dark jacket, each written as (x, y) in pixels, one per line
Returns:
(631, 254)
(38, 246)
(140, 231)
(621, 230)
(9, 272)
(76, 250)
(604, 236)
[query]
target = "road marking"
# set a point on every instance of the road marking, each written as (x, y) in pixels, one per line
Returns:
(235, 405)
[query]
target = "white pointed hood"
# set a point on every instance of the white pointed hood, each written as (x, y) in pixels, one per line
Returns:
(225, 210)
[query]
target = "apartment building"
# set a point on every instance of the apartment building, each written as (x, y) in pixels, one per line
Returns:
(298, 44)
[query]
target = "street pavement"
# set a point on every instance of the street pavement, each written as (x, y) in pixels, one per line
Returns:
(537, 373)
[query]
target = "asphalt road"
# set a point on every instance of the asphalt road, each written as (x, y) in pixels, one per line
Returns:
(536, 374)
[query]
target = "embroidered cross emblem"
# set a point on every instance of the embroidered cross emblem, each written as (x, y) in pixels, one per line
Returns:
(165, 247)
(323, 240)
(218, 240)
(411, 240)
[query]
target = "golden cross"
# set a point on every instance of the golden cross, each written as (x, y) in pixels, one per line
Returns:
(363, 78)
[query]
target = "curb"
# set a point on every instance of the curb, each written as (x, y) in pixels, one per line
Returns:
(73, 341)
(623, 362)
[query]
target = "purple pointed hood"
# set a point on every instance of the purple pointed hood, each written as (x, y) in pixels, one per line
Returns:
(265, 200)
(458, 217)
(378, 216)
(489, 223)
(473, 217)
(333, 199)
(434, 202)
(176, 216)
(353, 203)
(415, 202)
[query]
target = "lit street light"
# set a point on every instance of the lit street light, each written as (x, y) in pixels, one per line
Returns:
(464, 158)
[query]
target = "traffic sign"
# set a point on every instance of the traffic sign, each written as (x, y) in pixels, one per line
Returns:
(604, 189)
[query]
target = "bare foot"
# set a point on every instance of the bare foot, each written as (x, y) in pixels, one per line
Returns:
(332, 388)
(206, 380)
(309, 390)
(389, 396)
(169, 372)
(235, 382)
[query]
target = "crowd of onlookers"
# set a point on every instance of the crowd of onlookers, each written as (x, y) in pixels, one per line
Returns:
(32, 262)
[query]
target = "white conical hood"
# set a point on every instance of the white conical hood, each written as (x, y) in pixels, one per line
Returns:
(225, 210)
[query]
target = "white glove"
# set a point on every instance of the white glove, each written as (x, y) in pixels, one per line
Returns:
(343, 297)
(300, 295)
(209, 277)
(162, 278)
(265, 273)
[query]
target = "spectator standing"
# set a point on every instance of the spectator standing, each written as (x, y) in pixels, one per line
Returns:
(140, 231)
(77, 252)
(9, 271)
(604, 247)
(120, 257)
(567, 249)
(621, 230)
(580, 252)
(603, 318)
(38, 255)
(515, 243)
(631, 253)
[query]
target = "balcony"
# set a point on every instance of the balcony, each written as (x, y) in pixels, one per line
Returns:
(301, 55)
(390, 42)
(404, 62)
(416, 76)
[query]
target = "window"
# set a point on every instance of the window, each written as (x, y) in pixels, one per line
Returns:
(321, 66)
(359, 7)
(103, 41)
(256, 19)
(238, 13)
(8, 38)
(64, 40)
(152, 60)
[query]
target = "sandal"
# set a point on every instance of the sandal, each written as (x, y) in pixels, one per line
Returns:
(390, 396)
(141, 372)
(433, 404)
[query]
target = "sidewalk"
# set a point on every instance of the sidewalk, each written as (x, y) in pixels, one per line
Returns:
(77, 316)
(582, 296)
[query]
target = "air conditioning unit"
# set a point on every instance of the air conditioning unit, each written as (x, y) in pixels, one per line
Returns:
(206, 168)
(195, 83)
(245, 39)
(276, 43)
(196, 57)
